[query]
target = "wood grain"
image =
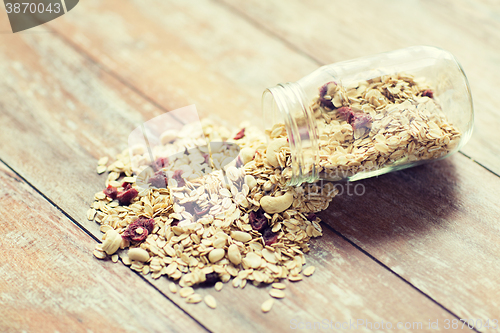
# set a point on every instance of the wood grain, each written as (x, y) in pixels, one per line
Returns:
(348, 284)
(328, 33)
(51, 282)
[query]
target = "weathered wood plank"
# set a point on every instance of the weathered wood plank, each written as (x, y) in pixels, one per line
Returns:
(434, 225)
(345, 30)
(51, 282)
(348, 284)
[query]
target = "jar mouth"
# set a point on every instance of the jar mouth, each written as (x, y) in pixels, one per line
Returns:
(286, 104)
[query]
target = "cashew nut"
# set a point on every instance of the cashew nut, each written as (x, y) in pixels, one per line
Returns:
(272, 151)
(279, 204)
(247, 155)
(112, 241)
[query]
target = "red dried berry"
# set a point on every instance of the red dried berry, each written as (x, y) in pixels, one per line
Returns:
(159, 180)
(138, 230)
(428, 93)
(258, 220)
(177, 176)
(160, 163)
(322, 93)
(211, 279)
(125, 198)
(240, 134)
(111, 192)
(311, 217)
(269, 237)
(126, 186)
(361, 124)
(345, 112)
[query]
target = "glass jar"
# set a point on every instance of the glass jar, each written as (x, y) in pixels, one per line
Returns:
(369, 116)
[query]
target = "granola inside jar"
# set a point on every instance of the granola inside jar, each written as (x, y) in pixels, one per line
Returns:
(369, 116)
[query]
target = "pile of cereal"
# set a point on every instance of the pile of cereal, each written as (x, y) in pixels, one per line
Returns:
(213, 213)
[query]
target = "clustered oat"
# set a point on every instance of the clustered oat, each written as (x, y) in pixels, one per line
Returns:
(210, 213)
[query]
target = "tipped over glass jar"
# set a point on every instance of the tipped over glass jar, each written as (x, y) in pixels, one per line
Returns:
(369, 116)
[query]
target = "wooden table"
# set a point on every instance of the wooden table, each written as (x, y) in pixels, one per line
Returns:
(421, 245)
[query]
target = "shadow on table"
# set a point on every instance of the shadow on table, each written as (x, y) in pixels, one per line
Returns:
(400, 206)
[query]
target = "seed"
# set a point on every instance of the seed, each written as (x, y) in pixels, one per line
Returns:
(279, 285)
(186, 291)
(309, 271)
(218, 286)
(234, 254)
(277, 293)
(267, 305)
(172, 287)
(114, 258)
(210, 301)
(216, 255)
(241, 236)
(193, 299)
(138, 254)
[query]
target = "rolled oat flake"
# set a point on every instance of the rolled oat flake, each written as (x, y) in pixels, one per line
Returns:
(369, 116)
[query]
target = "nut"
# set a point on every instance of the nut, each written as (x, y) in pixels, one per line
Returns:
(273, 205)
(250, 181)
(216, 255)
(138, 254)
(241, 236)
(273, 149)
(247, 155)
(112, 242)
(234, 254)
(168, 136)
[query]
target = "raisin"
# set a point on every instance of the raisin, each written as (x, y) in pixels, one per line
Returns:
(428, 93)
(258, 220)
(138, 230)
(159, 180)
(211, 279)
(160, 163)
(125, 197)
(322, 93)
(111, 192)
(311, 217)
(177, 176)
(269, 236)
(240, 134)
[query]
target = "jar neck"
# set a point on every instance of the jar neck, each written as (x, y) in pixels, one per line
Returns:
(286, 103)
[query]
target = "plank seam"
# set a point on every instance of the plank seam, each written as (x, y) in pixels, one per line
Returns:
(396, 274)
(97, 239)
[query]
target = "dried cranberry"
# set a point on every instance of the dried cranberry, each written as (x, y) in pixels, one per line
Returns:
(322, 93)
(240, 134)
(159, 180)
(126, 186)
(269, 236)
(361, 124)
(211, 279)
(195, 210)
(138, 230)
(125, 197)
(311, 217)
(159, 163)
(346, 113)
(239, 162)
(111, 192)
(428, 93)
(177, 176)
(258, 220)
(207, 158)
